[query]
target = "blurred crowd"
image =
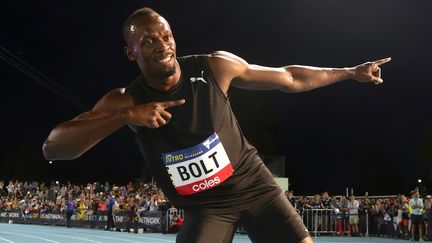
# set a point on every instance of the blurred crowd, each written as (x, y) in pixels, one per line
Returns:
(90, 199)
(388, 216)
(399, 216)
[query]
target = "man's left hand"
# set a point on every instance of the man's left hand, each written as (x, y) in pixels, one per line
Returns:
(370, 71)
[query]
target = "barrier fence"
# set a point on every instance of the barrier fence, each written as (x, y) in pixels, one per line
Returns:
(327, 222)
(318, 221)
(154, 221)
(331, 222)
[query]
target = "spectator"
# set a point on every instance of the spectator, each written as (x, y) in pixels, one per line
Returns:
(326, 201)
(70, 208)
(334, 202)
(343, 209)
(416, 205)
(405, 217)
(109, 211)
(316, 202)
(10, 188)
(428, 214)
(81, 208)
(175, 224)
(389, 217)
(1, 187)
(291, 198)
(353, 206)
(362, 212)
(300, 203)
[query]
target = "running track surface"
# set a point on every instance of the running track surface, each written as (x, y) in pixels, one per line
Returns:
(19, 233)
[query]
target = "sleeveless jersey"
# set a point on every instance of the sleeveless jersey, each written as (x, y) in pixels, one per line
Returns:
(201, 159)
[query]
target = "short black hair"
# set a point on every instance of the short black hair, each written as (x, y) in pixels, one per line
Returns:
(137, 13)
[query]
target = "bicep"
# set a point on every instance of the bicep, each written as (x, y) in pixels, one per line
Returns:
(229, 69)
(112, 101)
(264, 78)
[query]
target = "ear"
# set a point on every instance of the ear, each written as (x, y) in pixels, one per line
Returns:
(129, 54)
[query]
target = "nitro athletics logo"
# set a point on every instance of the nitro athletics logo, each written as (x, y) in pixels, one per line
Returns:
(173, 158)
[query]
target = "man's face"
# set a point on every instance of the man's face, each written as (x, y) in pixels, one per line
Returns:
(150, 42)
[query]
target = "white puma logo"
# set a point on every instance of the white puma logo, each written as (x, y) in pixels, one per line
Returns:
(194, 79)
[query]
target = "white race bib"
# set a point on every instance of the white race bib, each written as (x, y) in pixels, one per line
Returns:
(198, 168)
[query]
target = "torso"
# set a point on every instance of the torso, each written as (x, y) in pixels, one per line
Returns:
(204, 125)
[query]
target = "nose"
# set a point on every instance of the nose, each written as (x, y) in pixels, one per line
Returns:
(162, 45)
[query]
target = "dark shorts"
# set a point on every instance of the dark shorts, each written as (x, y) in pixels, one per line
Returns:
(416, 219)
(267, 221)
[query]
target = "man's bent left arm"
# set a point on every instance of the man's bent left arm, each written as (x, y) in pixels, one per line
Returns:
(230, 69)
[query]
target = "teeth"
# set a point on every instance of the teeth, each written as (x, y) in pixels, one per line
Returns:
(165, 59)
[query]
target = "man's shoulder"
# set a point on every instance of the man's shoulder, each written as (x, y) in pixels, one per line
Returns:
(114, 99)
(193, 64)
(195, 59)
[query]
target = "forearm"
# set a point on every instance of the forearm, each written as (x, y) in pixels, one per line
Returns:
(304, 78)
(71, 139)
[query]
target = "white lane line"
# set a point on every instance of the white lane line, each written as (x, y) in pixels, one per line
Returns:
(3, 239)
(151, 238)
(96, 234)
(127, 240)
(58, 235)
(29, 236)
(112, 238)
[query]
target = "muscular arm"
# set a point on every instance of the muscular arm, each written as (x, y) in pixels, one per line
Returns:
(72, 138)
(230, 69)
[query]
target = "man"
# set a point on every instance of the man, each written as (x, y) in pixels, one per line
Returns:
(428, 214)
(175, 224)
(326, 200)
(70, 209)
(416, 205)
(291, 198)
(353, 206)
(109, 212)
(190, 138)
(342, 219)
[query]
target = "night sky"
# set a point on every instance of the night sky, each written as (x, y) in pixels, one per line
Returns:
(372, 138)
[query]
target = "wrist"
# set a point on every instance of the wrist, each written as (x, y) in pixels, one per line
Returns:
(124, 115)
(350, 72)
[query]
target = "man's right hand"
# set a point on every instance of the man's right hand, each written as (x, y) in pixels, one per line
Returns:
(151, 115)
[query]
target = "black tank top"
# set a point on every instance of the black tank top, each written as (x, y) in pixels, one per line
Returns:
(201, 159)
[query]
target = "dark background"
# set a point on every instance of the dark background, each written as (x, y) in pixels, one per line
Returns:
(371, 138)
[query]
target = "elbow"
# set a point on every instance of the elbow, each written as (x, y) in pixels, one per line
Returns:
(53, 152)
(290, 84)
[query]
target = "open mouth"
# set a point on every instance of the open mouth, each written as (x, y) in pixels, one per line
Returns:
(164, 59)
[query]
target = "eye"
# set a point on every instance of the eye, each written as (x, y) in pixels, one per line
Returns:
(167, 38)
(147, 42)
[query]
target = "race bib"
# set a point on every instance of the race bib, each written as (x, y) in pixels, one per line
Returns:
(198, 168)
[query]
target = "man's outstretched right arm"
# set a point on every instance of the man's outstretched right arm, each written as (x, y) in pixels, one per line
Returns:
(71, 139)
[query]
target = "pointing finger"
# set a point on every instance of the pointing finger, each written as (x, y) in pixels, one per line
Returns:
(171, 103)
(382, 61)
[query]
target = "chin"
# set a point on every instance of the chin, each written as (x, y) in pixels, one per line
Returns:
(166, 73)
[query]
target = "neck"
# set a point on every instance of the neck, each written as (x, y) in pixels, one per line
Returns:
(166, 83)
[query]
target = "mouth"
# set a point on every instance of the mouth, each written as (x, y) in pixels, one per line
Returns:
(164, 59)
